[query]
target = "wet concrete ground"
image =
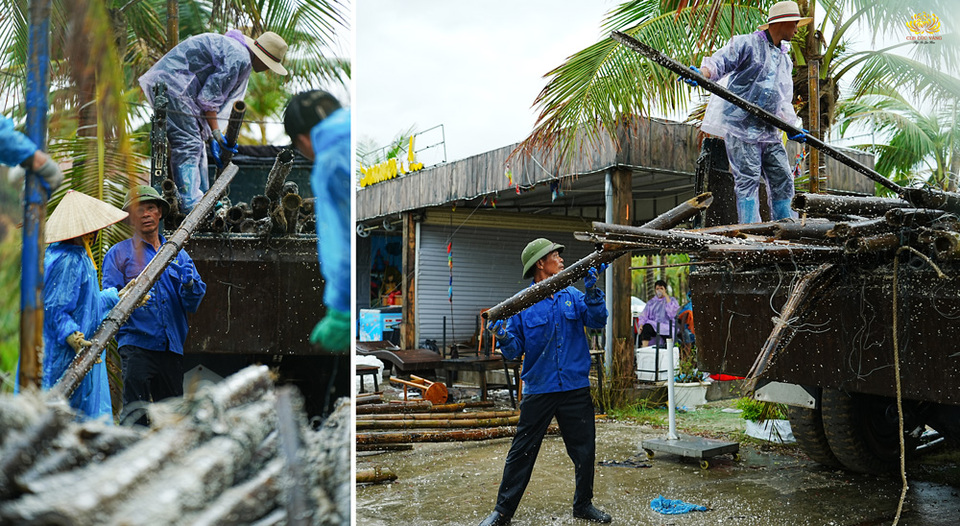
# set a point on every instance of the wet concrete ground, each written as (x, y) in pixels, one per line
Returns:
(456, 484)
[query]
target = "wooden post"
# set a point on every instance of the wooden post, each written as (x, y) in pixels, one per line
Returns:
(620, 314)
(173, 24)
(408, 328)
(813, 79)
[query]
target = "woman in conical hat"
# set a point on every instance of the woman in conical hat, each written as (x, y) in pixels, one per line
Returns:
(73, 304)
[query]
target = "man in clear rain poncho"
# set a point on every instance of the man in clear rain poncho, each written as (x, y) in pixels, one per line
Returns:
(320, 130)
(73, 304)
(204, 75)
(758, 68)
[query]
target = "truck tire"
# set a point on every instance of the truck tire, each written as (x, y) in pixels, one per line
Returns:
(807, 426)
(860, 431)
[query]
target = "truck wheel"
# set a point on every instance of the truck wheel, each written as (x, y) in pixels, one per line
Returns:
(861, 431)
(807, 426)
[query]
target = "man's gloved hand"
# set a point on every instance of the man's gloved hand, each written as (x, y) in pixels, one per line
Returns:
(77, 341)
(333, 331)
(590, 280)
(217, 146)
(499, 329)
(691, 81)
(183, 272)
(800, 137)
(126, 290)
(50, 172)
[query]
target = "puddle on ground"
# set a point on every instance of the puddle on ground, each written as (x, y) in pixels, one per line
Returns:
(456, 484)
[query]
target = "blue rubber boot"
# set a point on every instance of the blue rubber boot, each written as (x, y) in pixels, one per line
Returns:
(748, 210)
(782, 210)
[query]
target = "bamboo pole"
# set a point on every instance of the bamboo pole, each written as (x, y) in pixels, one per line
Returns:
(446, 416)
(419, 407)
(375, 475)
(278, 175)
(232, 132)
(802, 297)
(437, 423)
(832, 205)
(442, 436)
(384, 447)
(866, 227)
(770, 253)
(578, 270)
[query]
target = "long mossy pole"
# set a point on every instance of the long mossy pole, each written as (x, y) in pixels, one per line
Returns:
(578, 270)
(35, 199)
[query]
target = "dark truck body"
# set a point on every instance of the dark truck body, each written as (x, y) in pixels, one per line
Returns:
(264, 296)
(837, 372)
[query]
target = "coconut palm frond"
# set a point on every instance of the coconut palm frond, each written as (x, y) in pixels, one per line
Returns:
(905, 74)
(599, 85)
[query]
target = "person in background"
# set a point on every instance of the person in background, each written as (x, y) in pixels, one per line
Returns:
(204, 74)
(556, 381)
(757, 67)
(151, 341)
(320, 131)
(16, 149)
(658, 315)
(73, 304)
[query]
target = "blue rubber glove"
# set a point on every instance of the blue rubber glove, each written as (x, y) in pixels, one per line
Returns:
(217, 146)
(183, 272)
(691, 81)
(499, 329)
(800, 137)
(590, 280)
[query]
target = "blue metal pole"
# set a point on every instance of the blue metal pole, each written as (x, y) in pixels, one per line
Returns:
(35, 199)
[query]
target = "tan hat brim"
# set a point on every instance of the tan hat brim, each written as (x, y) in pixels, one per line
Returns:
(78, 214)
(274, 66)
(801, 21)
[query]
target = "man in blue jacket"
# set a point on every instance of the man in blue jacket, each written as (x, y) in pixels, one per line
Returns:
(320, 130)
(556, 366)
(151, 342)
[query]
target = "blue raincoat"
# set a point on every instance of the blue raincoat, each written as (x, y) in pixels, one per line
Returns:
(15, 147)
(73, 301)
(550, 336)
(330, 181)
(205, 72)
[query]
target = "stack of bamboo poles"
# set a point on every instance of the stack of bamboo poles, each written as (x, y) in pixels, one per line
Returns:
(832, 231)
(396, 426)
(383, 426)
(236, 452)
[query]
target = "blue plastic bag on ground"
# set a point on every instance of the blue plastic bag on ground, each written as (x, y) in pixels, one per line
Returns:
(673, 507)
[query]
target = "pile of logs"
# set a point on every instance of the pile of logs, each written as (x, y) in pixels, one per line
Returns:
(832, 231)
(280, 210)
(237, 452)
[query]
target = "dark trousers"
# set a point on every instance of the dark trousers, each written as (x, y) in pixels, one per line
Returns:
(150, 376)
(574, 412)
(648, 332)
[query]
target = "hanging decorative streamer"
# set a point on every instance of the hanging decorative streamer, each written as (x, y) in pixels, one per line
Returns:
(509, 173)
(555, 191)
(450, 266)
(800, 157)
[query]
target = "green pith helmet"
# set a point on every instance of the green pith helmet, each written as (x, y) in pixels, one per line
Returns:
(535, 250)
(146, 193)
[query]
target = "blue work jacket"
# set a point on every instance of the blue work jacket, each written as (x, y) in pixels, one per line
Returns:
(550, 335)
(161, 324)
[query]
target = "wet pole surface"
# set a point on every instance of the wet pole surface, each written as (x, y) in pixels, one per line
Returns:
(456, 484)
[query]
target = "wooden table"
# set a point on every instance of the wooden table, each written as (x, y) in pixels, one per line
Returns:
(482, 364)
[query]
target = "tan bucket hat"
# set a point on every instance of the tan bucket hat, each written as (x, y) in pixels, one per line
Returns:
(785, 12)
(270, 48)
(79, 214)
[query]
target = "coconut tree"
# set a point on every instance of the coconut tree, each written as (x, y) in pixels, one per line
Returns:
(597, 87)
(915, 145)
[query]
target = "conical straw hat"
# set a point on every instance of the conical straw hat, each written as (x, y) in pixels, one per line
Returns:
(79, 214)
